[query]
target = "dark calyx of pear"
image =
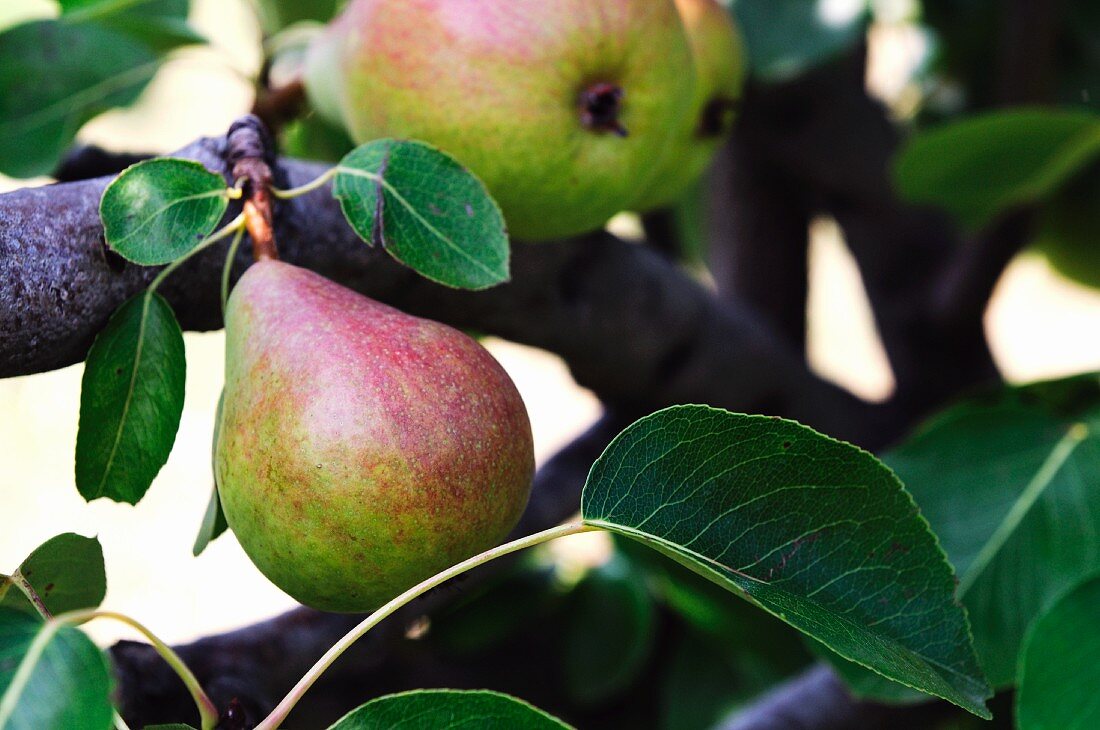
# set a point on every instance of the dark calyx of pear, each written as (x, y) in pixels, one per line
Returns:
(361, 450)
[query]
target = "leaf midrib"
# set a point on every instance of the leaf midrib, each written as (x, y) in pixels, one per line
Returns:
(614, 527)
(100, 489)
(1075, 434)
(416, 214)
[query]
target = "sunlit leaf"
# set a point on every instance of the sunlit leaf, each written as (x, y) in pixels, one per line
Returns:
(426, 210)
(131, 400)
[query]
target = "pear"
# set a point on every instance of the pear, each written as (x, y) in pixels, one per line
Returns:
(361, 449)
(561, 107)
(720, 64)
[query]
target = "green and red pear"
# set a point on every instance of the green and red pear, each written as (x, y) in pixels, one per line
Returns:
(719, 53)
(562, 107)
(360, 449)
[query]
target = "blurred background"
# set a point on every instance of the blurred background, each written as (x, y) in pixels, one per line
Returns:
(151, 572)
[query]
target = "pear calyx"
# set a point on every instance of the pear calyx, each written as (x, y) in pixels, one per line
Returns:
(601, 105)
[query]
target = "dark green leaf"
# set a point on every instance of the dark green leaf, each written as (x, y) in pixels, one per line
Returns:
(610, 633)
(448, 709)
(54, 77)
(706, 681)
(131, 400)
(51, 677)
(159, 24)
(173, 726)
(1011, 484)
(1059, 671)
(525, 594)
(213, 520)
(65, 572)
(428, 211)
(813, 530)
(982, 166)
(1066, 229)
(786, 37)
(213, 524)
(278, 14)
(314, 138)
(158, 210)
(707, 609)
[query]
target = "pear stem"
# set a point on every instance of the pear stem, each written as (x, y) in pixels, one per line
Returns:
(249, 151)
(208, 713)
(272, 721)
(227, 268)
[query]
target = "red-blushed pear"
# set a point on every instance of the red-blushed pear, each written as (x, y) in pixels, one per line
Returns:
(720, 65)
(361, 449)
(562, 107)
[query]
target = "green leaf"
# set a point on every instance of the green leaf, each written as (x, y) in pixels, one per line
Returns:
(314, 138)
(446, 709)
(131, 400)
(426, 210)
(158, 210)
(1066, 229)
(52, 677)
(54, 77)
(278, 14)
(160, 24)
(787, 37)
(706, 681)
(526, 593)
(66, 573)
(213, 520)
(1010, 481)
(213, 524)
(705, 606)
(813, 530)
(985, 165)
(1059, 671)
(610, 632)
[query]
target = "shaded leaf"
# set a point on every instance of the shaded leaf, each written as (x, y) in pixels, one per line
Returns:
(160, 24)
(527, 592)
(1067, 229)
(428, 211)
(447, 709)
(213, 524)
(787, 37)
(131, 400)
(979, 167)
(1011, 483)
(278, 14)
(1059, 671)
(51, 677)
(213, 520)
(314, 138)
(706, 681)
(54, 77)
(66, 573)
(158, 210)
(610, 632)
(816, 531)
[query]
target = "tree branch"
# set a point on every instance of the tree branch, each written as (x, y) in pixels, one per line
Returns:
(631, 326)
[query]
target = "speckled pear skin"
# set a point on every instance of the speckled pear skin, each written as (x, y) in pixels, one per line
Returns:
(361, 449)
(720, 65)
(496, 83)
